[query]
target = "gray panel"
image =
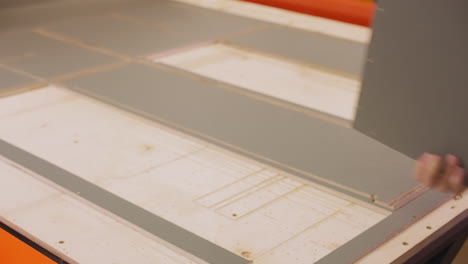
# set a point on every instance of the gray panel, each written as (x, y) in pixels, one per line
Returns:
(211, 26)
(21, 3)
(41, 13)
(19, 43)
(68, 60)
(199, 23)
(298, 140)
(414, 95)
(45, 57)
(157, 12)
(189, 20)
(136, 215)
(10, 79)
(122, 36)
(343, 56)
(393, 224)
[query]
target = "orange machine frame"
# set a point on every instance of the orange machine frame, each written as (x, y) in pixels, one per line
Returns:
(15, 251)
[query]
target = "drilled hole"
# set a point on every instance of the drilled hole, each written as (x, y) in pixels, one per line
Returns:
(428, 227)
(405, 243)
(234, 215)
(453, 207)
(61, 242)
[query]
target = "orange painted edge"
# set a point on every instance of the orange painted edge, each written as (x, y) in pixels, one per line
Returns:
(357, 12)
(15, 251)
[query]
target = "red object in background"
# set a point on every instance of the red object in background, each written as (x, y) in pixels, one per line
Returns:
(357, 12)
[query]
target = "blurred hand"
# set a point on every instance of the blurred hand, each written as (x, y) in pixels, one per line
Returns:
(442, 173)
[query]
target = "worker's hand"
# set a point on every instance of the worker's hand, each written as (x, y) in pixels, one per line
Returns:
(442, 173)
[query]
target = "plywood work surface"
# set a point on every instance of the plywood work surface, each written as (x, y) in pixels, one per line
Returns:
(253, 211)
(72, 230)
(248, 196)
(245, 207)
